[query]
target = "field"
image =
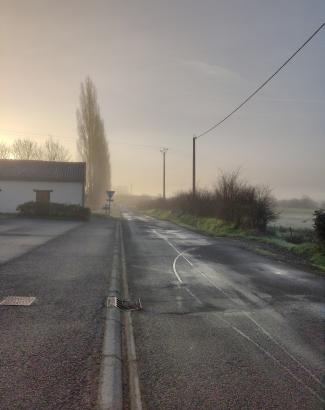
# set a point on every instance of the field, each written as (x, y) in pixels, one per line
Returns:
(295, 218)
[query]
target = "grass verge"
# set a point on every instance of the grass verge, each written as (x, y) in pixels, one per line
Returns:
(216, 227)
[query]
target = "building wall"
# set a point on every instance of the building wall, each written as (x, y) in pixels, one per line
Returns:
(14, 193)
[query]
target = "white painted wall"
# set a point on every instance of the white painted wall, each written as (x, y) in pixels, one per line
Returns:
(14, 193)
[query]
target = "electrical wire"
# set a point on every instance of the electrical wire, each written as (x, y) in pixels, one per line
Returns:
(262, 85)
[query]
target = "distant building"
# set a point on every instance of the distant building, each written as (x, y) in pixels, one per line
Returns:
(43, 181)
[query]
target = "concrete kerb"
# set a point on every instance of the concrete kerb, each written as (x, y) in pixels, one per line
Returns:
(110, 388)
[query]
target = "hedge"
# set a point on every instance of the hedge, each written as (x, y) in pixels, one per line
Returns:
(53, 210)
(319, 225)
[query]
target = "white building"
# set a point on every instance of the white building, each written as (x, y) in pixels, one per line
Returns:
(45, 181)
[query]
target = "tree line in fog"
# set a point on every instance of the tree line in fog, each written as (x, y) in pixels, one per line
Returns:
(24, 148)
(305, 202)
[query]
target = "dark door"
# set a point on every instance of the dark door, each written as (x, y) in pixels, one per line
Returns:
(43, 197)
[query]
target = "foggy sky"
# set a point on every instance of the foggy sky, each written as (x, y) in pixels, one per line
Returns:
(168, 69)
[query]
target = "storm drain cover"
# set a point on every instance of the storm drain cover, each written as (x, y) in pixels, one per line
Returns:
(17, 301)
(113, 301)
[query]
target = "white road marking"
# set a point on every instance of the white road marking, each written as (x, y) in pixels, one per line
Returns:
(193, 296)
(171, 245)
(266, 333)
(175, 270)
(181, 254)
(284, 349)
(270, 355)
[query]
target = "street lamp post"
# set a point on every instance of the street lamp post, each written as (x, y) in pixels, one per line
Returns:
(163, 151)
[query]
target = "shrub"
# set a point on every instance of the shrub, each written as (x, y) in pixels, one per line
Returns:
(233, 200)
(319, 225)
(53, 210)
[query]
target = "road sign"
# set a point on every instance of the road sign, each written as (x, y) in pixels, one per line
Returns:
(110, 194)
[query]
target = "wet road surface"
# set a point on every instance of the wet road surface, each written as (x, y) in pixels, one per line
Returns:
(222, 327)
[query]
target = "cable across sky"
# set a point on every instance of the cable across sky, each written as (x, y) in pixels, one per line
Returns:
(262, 85)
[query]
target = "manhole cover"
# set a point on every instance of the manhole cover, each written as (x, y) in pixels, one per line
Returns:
(124, 304)
(17, 301)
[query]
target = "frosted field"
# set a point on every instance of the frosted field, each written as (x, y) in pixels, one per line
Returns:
(295, 217)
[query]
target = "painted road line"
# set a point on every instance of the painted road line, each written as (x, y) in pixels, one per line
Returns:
(172, 246)
(271, 356)
(110, 386)
(261, 328)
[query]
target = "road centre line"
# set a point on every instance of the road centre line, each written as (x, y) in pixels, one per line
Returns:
(193, 296)
(270, 355)
(311, 374)
(174, 247)
(261, 328)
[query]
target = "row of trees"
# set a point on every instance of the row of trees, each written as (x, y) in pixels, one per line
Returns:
(24, 148)
(305, 202)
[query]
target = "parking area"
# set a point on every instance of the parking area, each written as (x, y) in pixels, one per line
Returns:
(20, 235)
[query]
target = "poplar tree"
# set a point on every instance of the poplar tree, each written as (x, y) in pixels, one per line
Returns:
(92, 146)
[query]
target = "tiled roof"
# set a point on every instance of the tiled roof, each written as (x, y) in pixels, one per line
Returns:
(26, 170)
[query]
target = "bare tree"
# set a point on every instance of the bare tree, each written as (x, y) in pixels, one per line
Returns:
(26, 149)
(54, 151)
(92, 145)
(4, 151)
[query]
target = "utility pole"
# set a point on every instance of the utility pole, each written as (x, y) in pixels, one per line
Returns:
(194, 167)
(163, 151)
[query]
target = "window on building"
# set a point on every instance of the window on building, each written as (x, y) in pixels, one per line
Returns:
(43, 196)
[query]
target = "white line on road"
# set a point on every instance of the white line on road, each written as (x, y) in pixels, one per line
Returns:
(194, 296)
(284, 349)
(181, 255)
(174, 247)
(175, 270)
(261, 328)
(270, 355)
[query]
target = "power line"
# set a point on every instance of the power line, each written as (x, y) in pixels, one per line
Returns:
(113, 141)
(262, 85)
(26, 134)
(154, 147)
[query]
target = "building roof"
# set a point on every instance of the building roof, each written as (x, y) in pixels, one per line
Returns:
(27, 170)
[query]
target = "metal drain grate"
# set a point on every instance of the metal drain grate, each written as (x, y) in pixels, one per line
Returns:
(123, 304)
(17, 301)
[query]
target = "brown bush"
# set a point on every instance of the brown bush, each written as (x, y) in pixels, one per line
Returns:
(233, 200)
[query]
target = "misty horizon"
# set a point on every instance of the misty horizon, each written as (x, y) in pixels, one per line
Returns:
(162, 76)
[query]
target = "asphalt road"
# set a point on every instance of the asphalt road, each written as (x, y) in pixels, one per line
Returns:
(21, 235)
(50, 352)
(222, 327)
